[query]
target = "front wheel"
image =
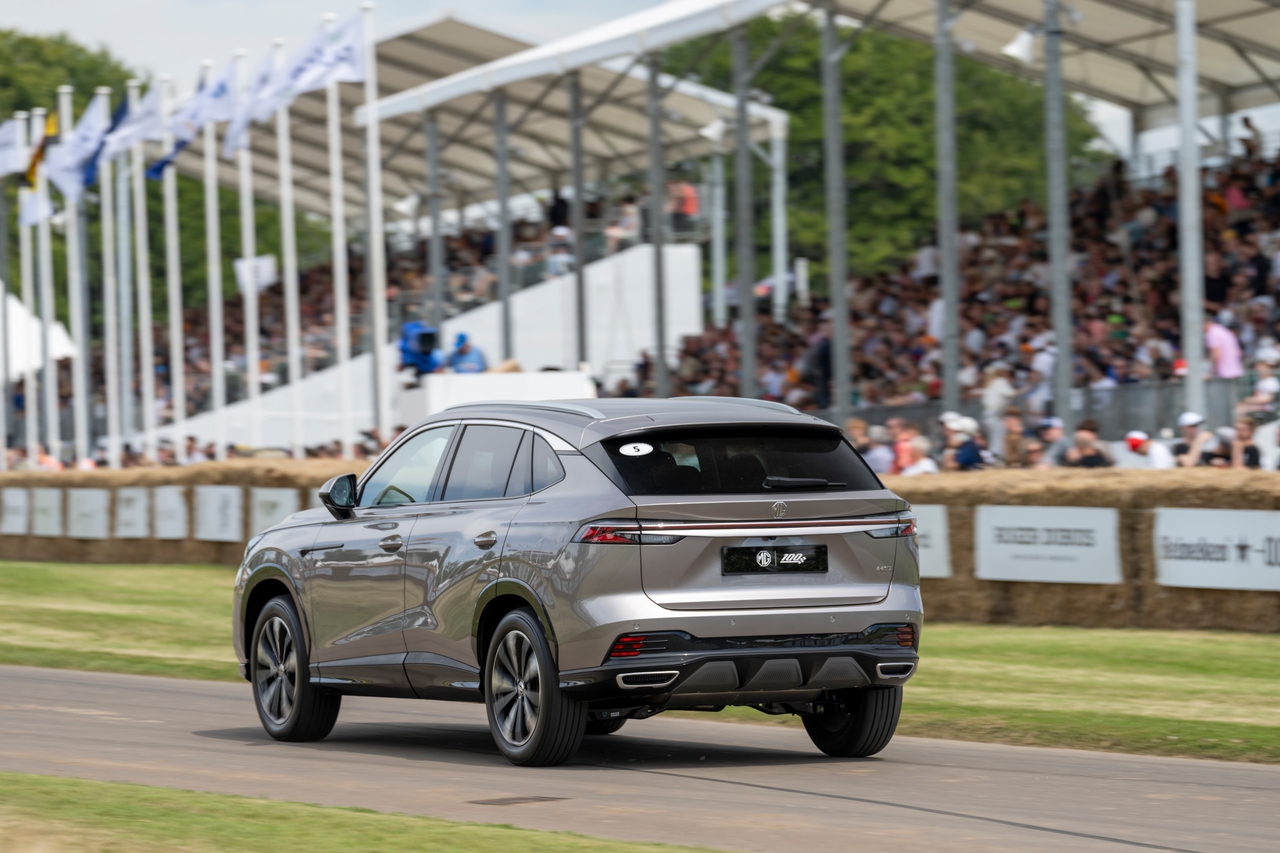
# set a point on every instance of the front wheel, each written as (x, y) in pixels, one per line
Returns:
(534, 723)
(289, 707)
(863, 728)
(604, 727)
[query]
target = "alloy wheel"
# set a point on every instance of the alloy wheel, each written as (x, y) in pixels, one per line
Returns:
(277, 670)
(516, 687)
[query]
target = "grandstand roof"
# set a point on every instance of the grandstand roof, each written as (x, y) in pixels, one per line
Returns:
(439, 50)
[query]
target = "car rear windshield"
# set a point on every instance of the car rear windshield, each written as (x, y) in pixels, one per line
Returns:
(736, 461)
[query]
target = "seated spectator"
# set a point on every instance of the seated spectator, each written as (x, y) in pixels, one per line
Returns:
(1035, 454)
(1014, 449)
(1053, 436)
(466, 358)
(920, 461)
(1086, 450)
(1157, 455)
(1244, 453)
(1263, 398)
(1190, 449)
(879, 454)
(963, 453)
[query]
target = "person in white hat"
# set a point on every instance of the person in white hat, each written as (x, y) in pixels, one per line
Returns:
(1189, 451)
(1158, 456)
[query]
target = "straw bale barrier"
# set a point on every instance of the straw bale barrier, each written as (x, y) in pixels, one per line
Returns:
(1138, 601)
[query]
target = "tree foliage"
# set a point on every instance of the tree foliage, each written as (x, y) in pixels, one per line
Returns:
(889, 138)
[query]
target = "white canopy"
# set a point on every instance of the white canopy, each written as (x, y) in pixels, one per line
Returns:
(23, 339)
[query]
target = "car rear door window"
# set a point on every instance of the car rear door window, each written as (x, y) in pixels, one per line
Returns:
(482, 464)
(547, 470)
(407, 475)
(521, 480)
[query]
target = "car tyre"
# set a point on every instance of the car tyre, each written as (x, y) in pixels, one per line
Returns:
(863, 729)
(604, 727)
(534, 723)
(290, 707)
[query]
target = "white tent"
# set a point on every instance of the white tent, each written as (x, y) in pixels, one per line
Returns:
(24, 337)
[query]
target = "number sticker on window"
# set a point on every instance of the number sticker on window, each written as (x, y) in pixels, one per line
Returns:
(638, 448)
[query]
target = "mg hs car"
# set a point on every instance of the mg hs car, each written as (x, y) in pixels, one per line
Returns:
(575, 565)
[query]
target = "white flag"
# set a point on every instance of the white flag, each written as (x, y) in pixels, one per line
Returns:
(213, 101)
(13, 154)
(331, 55)
(33, 208)
(66, 161)
(142, 123)
(248, 108)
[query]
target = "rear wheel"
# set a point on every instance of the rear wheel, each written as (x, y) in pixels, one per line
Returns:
(534, 723)
(865, 726)
(288, 705)
(604, 727)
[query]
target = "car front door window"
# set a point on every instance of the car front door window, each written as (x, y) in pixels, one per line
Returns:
(408, 475)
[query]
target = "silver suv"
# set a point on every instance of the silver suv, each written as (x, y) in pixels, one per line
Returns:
(574, 565)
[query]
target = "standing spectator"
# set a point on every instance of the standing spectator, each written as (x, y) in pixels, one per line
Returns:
(1194, 440)
(879, 455)
(996, 395)
(920, 461)
(1244, 453)
(1263, 398)
(967, 454)
(1223, 349)
(1013, 450)
(1158, 456)
(466, 358)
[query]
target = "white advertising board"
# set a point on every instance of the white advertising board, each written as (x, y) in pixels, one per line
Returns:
(46, 512)
(170, 516)
(219, 513)
(17, 512)
(88, 513)
(270, 506)
(133, 513)
(934, 540)
(1217, 548)
(1047, 544)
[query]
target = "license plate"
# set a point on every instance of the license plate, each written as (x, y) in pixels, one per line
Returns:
(773, 559)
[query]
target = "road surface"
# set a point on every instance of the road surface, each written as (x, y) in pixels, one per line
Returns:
(702, 782)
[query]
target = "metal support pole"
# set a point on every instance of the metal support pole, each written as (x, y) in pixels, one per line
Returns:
(289, 249)
(837, 197)
(26, 273)
(376, 259)
(44, 266)
(1055, 131)
(173, 283)
(1190, 225)
(944, 111)
(778, 215)
(502, 189)
(743, 224)
(436, 249)
(252, 323)
(577, 214)
(341, 285)
(124, 280)
(657, 229)
(146, 336)
(110, 309)
(5, 391)
(1224, 124)
(213, 267)
(719, 304)
(75, 301)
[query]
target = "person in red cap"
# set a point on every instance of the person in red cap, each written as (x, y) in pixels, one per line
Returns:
(1158, 456)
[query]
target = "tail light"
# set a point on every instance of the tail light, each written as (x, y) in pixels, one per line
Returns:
(906, 526)
(632, 645)
(613, 532)
(907, 636)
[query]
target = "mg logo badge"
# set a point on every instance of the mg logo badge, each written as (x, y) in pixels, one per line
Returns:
(764, 559)
(779, 509)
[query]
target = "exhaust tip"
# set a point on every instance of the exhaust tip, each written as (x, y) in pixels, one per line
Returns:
(895, 670)
(633, 680)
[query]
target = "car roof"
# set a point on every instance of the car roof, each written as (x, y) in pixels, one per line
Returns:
(584, 422)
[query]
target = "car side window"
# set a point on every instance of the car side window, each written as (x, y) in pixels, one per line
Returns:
(482, 464)
(547, 470)
(407, 475)
(521, 480)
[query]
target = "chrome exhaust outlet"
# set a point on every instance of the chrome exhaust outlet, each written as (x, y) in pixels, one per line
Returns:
(636, 680)
(895, 670)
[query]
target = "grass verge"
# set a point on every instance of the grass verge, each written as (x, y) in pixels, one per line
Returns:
(53, 814)
(1183, 693)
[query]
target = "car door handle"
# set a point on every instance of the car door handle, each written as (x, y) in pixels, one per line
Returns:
(391, 543)
(485, 541)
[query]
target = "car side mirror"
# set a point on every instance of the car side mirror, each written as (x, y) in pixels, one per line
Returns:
(339, 495)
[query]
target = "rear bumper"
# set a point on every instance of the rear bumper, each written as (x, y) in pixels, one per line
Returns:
(739, 676)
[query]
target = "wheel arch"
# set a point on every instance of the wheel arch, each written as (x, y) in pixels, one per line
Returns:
(267, 582)
(497, 600)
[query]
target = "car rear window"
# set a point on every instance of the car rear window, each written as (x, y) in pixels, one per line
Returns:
(736, 461)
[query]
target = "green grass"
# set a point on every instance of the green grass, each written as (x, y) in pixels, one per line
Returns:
(1187, 693)
(53, 814)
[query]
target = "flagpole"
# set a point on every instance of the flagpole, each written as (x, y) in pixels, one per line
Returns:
(173, 281)
(44, 264)
(376, 263)
(26, 274)
(213, 267)
(146, 335)
(75, 298)
(248, 251)
(124, 313)
(289, 248)
(341, 285)
(110, 335)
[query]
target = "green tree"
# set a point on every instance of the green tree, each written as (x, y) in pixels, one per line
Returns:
(889, 138)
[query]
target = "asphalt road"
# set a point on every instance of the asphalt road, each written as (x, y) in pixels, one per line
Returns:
(722, 785)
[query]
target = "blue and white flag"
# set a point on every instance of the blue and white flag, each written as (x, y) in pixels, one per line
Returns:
(143, 122)
(248, 107)
(91, 167)
(65, 161)
(13, 154)
(332, 55)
